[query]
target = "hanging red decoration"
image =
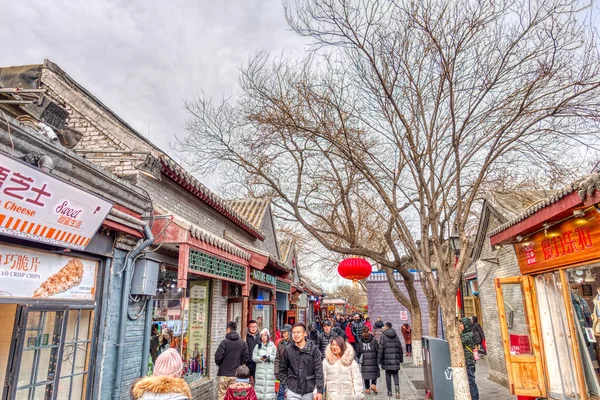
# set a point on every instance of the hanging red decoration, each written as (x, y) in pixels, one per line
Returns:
(354, 268)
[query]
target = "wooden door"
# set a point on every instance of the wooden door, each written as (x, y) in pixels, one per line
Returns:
(520, 336)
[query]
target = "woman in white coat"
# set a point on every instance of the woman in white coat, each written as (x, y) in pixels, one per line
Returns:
(264, 357)
(343, 380)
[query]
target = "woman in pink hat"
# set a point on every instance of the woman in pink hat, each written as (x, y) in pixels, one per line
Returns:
(165, 382)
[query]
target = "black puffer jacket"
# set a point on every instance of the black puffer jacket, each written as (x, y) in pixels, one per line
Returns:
(232, 353)
(324, 340)
(251, 341)
(390, 351)
(357, 329)
(301, 369)
(369, 350)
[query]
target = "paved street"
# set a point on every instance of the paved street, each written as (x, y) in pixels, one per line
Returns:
(412, 384)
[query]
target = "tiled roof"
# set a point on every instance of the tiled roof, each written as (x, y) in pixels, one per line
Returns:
(252, 210)
(209, 196)
(205, 236)
(584, 186)
(285, 245)
(310, 285)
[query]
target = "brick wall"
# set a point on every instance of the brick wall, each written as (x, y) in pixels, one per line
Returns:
(270, 242)
(382, 302)
(486, 273)
(134, 332)
(205, 389)
(218, 323)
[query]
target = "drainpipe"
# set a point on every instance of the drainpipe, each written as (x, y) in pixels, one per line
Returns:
(125, 287)
(147, 333)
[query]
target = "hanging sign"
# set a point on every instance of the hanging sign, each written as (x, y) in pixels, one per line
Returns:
(263, 277)
(573, 241)
(29, 273)
(198, 318)
(39, 207)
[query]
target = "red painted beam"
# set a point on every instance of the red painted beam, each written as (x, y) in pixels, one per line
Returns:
(554, 212)
(122, 228)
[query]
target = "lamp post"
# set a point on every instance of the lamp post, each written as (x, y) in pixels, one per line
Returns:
(455, 244)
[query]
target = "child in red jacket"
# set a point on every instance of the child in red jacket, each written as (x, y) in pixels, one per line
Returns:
(241, 389)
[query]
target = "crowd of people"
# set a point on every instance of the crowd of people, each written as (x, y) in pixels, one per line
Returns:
(340, 357)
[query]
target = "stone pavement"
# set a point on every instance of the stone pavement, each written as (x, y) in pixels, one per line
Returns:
(412, 384)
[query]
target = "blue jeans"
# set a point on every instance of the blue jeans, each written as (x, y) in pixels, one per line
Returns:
(281, 393)
(472, 384)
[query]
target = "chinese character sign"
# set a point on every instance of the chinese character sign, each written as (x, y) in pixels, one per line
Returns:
(573, 241)
(40, 207)
(29, 273)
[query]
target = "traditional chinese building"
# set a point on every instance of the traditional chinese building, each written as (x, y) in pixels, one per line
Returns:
(66, 227)
(217, 260)
(549, 312)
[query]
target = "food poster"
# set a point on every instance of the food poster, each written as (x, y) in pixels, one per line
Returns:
(198, 318)
(29, 273)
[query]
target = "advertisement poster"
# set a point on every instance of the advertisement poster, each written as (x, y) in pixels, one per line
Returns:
(30, 273)
(39, 207)
(198, 317)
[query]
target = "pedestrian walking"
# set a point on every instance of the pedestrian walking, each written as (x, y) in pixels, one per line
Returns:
(252, 340)
(368, 323)
(479, 335)
(468, 341)
(232, 353)
(378, 329)
(264, 356)
(301, 368)
(356, 327)
(165, 382)
(368, 350)
(241, 389)
(390, 357)
(286, 340)
(343, 379)
(407, 334)
(313, 333)
(325, 337)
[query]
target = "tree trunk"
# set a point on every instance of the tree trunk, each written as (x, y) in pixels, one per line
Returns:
(417, 332)
(434, 315)
(457, 355)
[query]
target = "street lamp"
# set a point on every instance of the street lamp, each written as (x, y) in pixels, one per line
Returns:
(455, 244)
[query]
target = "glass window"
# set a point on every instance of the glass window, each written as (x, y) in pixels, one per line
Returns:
(562, 382)
(263, 315)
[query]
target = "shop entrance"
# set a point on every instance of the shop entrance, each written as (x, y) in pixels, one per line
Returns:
(49, 353)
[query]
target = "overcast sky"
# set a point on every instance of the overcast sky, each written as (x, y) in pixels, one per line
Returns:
(144, 58)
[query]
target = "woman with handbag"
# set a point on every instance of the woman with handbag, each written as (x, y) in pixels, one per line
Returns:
(367, 356)
(343, 380)
(264, 356)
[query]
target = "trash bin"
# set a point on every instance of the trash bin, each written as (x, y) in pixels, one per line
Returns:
(437, 368)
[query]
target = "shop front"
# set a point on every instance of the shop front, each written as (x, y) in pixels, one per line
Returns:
(262, 300)
(550, 315)
(50, 284)
(283, 293)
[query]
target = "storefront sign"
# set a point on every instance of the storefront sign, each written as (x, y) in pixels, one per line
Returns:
(30, 273)
(37, 206)
(262, 277)
(571, 242)
(198, 318)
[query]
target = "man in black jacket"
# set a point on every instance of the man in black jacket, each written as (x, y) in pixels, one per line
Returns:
(252, 339)
(357, 326)
(232, 353)
(390, 357)
(325, 337)
(301, 368)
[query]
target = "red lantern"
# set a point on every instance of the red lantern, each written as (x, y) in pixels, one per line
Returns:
(354, 268)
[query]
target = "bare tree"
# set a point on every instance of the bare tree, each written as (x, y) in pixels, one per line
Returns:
(406, 109)
(354, 295)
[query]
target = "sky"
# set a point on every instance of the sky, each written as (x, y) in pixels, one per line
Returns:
(144, 58)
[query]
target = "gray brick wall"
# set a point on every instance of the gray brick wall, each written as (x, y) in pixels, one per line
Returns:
(270, 242)
(382, 303)
(218, 323)
(133, 333)
(486, 273)
(204, 390)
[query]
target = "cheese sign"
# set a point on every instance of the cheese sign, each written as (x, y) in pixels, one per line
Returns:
(40, 207)
(36, 274)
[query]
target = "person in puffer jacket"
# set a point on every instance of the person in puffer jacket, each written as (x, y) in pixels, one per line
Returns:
(465, 328)
(264, 357)
(325, 337)
(343, 379)
(165, 382)
(368, 349)
(241, 389)
(390, 357)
